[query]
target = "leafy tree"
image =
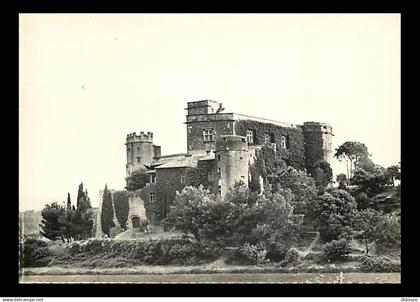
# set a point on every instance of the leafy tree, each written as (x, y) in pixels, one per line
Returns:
(342, 181)
(321, 180)
(51, 225)
(188, 210)
(370, 183)
(352, 152)
(362, 200)
(336, 211)
(243, 216)
(137, 180)
(326, 168)
(121, 207)
(107, 214)
(366, 164)
(303, 189)
(375, 227)
(392, 173)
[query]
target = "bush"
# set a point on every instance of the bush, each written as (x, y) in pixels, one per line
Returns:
(255, 254)
(335, 249)
(379, 264)
(276, 252)
(35, 253)
(292, 256)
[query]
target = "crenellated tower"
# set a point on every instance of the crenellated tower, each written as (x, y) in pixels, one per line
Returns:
(140, 151)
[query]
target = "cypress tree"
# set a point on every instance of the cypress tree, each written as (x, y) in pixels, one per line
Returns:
(107, 214)
(80, 196)
(68, 202)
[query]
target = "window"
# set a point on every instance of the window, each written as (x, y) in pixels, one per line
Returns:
(138, 149)
(267, 139)
(283, 142)
(208, 135)
(250, 136)
(152, 196)
(153, 178)
(219, 172)
(138, 159)
(210, 175)
(219, 190)
(218, 156)
(182, 179)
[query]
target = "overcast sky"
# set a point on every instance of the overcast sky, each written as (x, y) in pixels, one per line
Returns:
(88, 80)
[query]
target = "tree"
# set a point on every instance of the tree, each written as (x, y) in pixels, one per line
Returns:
(335, 212)
(366, 164)
(51, 223)
(121, 206)
(392, 173)
(342, 181)
(107, 214)
(325, 167)
(303, 189)
(242, 216)
(137, 180)
(83, 201)
(68, 202)
(188, 210)
(352, 152)
(370, 183)
(375, 227)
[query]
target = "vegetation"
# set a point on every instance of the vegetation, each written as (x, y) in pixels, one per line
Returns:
(67, 222)
(335, 249)
(137, 180)
(107, 214)
(35, 252)
(121, 206)
(258, 225)
(352, 152)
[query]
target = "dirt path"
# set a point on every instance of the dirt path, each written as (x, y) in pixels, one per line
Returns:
(311, 246)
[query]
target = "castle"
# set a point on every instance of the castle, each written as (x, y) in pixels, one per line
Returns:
(221, 148)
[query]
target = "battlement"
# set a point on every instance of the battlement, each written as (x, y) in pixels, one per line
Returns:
(142, 137)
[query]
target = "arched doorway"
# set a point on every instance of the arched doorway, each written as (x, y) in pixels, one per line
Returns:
(135, 221)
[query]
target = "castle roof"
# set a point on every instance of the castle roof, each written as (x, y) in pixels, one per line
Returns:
(187, 161)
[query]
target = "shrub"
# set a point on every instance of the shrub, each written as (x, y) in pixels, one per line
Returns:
(292, 256)
(379, 264)
(35, 253)
(335, 249)
(256, 254)
(276, 252)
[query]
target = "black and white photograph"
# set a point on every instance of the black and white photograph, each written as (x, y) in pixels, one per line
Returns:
(209, 148)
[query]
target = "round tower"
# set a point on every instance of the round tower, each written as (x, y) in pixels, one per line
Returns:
(318, 137)
(231, 158)
(140, 151)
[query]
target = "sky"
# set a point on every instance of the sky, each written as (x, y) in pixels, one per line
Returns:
(85, 81)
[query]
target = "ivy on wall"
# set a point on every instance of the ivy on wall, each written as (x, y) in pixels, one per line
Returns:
(313, 150)
(153, 209)
(267, 162)
(293, 154)
(199, 175)
(121, 207)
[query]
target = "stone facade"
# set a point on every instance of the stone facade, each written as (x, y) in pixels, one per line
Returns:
(222, 146)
